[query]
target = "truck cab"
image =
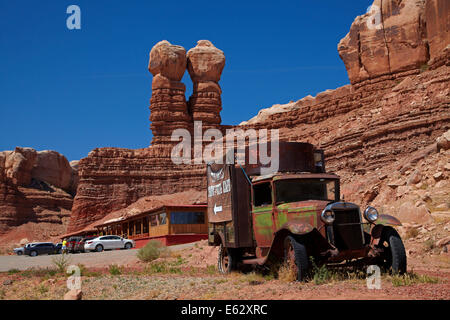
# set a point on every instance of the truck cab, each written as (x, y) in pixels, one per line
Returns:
(294, 214)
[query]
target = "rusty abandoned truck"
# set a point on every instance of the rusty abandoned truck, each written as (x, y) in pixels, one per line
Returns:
(294, 214)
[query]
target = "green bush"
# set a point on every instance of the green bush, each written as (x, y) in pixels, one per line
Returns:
(61, 262)
(152, 250)
(13, 271)
(115, 270)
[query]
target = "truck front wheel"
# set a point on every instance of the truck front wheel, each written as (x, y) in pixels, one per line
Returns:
(226, 261)
(394, 255)
(296, 257)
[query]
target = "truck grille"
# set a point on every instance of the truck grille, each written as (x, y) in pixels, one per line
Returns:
(347, 232)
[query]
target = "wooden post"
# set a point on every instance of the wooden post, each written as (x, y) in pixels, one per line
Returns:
(148, 221)
(168, 221)
(134, 227)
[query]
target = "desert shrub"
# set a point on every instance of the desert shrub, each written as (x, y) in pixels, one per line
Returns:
(163, 267)
(424, 67)
(13, 271)
(321, 274)
(211, 269)
(115, 270)
(253, 278)
(412, 233)
(42, 273)
(61, 262)
(42, 289)
(287, 272)
(151, 251)
(429, 244)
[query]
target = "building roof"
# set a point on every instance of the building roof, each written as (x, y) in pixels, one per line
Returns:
(190, 198)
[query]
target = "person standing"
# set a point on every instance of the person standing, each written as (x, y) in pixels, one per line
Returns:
(64, 246)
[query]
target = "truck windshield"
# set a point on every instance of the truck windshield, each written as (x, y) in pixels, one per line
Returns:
(293, 190)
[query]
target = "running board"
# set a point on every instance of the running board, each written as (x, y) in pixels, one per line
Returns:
(259, 261)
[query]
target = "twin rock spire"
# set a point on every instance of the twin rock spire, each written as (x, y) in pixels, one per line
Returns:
(168, 106)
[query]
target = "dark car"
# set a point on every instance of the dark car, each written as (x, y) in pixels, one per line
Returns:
(58, 248)
(39, 248)
(79, 245)
(71, 243)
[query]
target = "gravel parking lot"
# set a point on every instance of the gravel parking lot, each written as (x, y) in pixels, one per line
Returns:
(90, 259)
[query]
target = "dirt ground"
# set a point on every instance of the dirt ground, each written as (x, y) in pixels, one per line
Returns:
(191, 273)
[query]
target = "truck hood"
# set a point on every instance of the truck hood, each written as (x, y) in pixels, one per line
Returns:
(308, 205)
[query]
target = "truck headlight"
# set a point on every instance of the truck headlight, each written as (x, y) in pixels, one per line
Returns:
(371, 214)
(327, 216)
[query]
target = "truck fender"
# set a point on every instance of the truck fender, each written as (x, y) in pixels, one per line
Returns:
(311, 236)
(218, 238)
(298, 228)
(377, 231)
(388, 220)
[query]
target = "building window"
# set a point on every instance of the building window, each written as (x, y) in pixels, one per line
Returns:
(184, 217)
(131, 228)
(153, 220)
(145, 225)
(138, 226)
(162, 218)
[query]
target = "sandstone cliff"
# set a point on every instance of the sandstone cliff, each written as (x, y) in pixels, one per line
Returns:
(35, 186)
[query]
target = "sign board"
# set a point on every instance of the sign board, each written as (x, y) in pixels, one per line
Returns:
(219, 193)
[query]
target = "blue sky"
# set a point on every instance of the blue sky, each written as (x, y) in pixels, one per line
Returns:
(76, 90)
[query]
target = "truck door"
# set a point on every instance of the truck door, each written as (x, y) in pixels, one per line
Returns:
(262, 214)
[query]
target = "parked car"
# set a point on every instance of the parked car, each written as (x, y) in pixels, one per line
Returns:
(19, 251)
(79, 245)
(108, 242)
(38, 248)
(58, 248)
(71, 243)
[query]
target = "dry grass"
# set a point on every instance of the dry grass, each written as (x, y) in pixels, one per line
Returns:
(287, 272)
(411, 278)
(412, 233)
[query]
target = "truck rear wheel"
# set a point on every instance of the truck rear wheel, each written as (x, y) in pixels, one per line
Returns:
(226, 261)
(394, 255)
(296, 257)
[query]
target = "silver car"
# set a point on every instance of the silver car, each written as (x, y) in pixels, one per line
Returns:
(108, 243)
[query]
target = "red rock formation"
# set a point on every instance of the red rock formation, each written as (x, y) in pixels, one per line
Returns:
(168, 102)
(113, 178)
(34, 187)
(388, 39)
(438, 26)
(205, 64)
